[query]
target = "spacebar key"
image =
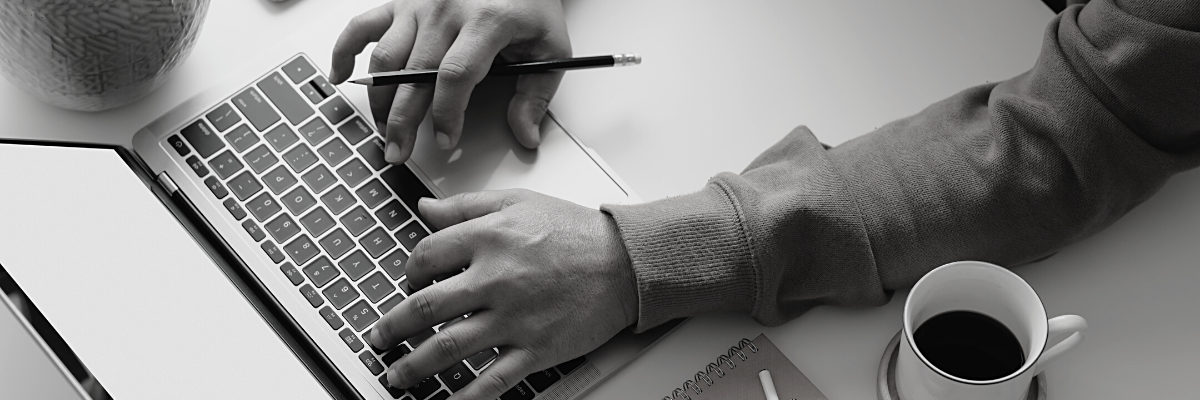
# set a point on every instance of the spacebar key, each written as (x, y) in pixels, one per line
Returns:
(403, 182)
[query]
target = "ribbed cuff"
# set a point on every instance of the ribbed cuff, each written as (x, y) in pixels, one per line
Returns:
(690, 255)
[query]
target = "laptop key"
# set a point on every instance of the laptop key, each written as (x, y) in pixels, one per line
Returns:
(197, 166)
(279, 179)
(298, 200)
(392, 214)
(373, 193)
(377, 242)
(356, 130)
(245, 185)
(291, 273)
(323, 86)
(405, 184)
(541, 380)
(176, 143)
(360, 315)
(282, 228)
(406, 287)
(569, 366)
(519, 392)
(425, 388)
(225, 164)
(358, 221)
(376, 287)
(356, 265)
(272, 251)
(223, 117)
(371, 363)
(216, 187)
(300, 158)
(315, 131)
(335, 152)
(395, 393)
(420, 337)
(341, 293)
(321, 271)
(335, 322)
(393, 264)
(285, 97)
(253, 230)
(442, 395)
(310, 294)
(203, 138)
(480, 359)
(318, 179)
(338, 199)
(457, 377)
(372, 151)
(260, 158)
(336, 110)
(235, 209)
(301, 250)
(299, 69)
(390, 303)
(311, 93)
(263, 207)
(318, 222)
(337, 244)
(351, 340)
(354, 172)
(281, 137)
(411, 234)
(241, 138)
(256, 109)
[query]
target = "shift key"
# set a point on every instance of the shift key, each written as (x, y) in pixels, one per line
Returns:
(256, 109)
(286, 98)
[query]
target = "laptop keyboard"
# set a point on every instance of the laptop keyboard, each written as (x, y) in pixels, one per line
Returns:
(304, 174)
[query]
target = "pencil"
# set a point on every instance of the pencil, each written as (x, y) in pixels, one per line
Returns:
(430, 75)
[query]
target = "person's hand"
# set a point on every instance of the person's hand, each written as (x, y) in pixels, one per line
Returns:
(460, 39)
(548, 281)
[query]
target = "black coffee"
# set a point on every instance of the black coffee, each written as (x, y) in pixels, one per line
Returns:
(969, 345)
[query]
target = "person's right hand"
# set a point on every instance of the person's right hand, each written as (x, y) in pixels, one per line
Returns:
(460, 39)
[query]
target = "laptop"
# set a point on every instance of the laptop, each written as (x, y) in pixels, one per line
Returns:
(249, 240)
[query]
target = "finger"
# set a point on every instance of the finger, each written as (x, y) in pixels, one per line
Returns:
(512, 365)
(450, 345)
(365, 28)
(411, 101)
(445, 252)
(390, 54)
(467, 206)
(430, 306)
(466, 63)
(528, 106)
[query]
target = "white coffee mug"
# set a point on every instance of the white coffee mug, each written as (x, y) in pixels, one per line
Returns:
(993, 291)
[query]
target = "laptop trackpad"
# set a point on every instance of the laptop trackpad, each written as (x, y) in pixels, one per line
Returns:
(128, 288)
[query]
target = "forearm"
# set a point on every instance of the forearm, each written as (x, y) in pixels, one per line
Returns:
(1005, 173)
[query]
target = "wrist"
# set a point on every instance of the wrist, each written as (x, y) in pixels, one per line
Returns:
(621, 265)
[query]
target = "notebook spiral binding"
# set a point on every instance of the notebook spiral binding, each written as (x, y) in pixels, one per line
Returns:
(713, 368)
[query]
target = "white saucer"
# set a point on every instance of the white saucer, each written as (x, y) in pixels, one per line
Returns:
(887, 375)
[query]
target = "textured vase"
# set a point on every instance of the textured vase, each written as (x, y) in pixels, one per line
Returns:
(94, 55)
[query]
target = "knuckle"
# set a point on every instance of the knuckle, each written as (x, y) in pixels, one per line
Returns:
(455, 70)
(420, 253)
(447, 346)
(496, 12)
(382, 57)
(423, 307)
(498, 383)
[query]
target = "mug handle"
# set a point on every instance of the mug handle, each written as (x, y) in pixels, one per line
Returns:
(1058, 326)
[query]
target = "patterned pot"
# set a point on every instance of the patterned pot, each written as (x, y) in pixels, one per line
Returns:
(93, 55)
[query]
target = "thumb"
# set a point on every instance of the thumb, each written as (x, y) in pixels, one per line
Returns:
(529, 105)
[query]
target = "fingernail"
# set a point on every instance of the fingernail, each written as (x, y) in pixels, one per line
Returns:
(392, 154)
(426, 201)
(375, 339)
(443, 140)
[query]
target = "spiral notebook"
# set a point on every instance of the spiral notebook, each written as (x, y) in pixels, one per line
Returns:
(734, 375)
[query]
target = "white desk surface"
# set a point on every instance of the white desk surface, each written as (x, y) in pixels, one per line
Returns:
(721, 82)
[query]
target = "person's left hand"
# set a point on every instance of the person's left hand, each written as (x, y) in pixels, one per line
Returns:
(548, 281)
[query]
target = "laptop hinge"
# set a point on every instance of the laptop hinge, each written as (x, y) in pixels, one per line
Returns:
(167, 183)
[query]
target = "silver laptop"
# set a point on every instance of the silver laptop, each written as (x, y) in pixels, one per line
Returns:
(253, 236)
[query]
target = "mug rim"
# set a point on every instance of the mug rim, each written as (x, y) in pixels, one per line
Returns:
(908, 331)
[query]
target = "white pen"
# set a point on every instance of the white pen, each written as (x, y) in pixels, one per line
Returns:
(768, 385)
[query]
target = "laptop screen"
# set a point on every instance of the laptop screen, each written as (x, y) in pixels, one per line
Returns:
(128, 288)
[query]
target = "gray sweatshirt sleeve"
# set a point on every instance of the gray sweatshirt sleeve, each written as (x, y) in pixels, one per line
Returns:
(1005, 173)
